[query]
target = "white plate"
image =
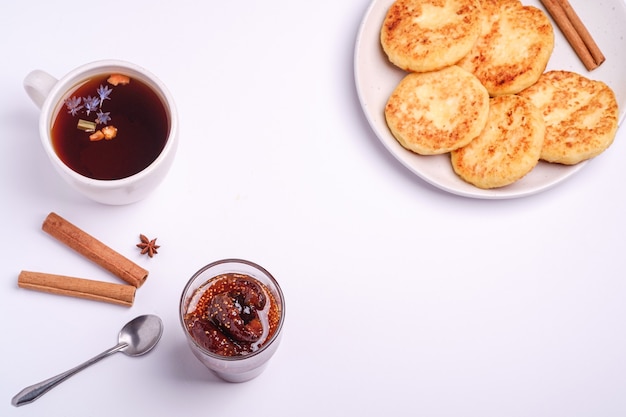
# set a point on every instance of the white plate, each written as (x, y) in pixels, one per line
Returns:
(376, 78)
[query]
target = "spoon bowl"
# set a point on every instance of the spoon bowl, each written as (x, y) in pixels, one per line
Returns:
(138, 337)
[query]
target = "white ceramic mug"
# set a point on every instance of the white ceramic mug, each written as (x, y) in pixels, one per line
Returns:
(49, 94)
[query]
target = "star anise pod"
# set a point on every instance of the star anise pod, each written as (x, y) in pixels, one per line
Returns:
(148, 246)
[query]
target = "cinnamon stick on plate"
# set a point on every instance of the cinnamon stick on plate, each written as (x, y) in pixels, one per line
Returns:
(93, 249)
(575, 32)
(121, 294)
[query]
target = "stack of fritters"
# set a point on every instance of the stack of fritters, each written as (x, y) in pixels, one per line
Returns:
(458, 53)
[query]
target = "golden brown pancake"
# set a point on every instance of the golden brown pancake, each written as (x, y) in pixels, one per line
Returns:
(513, 48)
(581, 116)
(435, 112)
(427, 35)
(507, 149)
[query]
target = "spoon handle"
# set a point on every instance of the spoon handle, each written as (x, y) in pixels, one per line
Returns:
(31, 393)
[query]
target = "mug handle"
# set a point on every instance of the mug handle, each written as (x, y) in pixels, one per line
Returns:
(38, 85)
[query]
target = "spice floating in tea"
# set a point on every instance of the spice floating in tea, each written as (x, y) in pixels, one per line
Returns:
(106, 107)
(118, 79)
(86, 125)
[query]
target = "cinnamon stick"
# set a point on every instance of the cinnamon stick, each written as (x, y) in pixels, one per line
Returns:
(588, 40)
(575, 32)
(94, 250)
(121, 294)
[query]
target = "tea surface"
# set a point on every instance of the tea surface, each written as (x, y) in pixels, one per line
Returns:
(133, 109)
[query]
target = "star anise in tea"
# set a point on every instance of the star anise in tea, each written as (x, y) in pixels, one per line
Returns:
(148, 246)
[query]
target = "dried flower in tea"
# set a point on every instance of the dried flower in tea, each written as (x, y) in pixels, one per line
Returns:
(73, 105)
(103, 118)
(103, 93)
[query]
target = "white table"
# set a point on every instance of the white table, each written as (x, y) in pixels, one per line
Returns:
(401, 299)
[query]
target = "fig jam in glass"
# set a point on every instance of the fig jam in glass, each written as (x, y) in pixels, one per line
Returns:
(235, 315)
(130, 108)
(232, 312)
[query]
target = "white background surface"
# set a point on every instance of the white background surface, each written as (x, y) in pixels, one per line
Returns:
(401, 299)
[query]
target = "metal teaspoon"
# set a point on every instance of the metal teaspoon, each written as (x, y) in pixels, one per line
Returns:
(137, 337)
